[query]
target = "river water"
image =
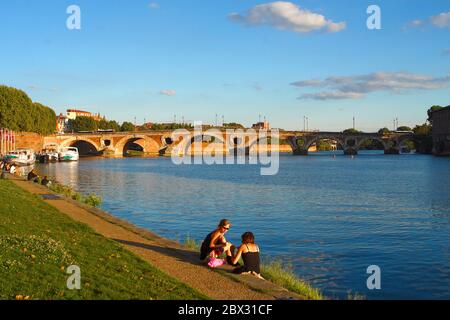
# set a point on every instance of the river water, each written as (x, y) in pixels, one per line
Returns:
(328, 217)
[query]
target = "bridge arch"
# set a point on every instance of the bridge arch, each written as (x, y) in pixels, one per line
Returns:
(406, 142)
(383, 143)
(214, 136)
(142, 142)
(311, 141)
(86, 146)
(256, 142)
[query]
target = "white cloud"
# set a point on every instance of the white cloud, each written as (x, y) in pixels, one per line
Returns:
(442, 20)
(415, 24)
(355, 87)
(287, 16)
(153, 5)
(168, 92)
(332, 95)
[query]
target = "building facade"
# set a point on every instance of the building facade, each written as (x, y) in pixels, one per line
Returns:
(62, 123)
(441, 131)
(261, 125)
(72, 114)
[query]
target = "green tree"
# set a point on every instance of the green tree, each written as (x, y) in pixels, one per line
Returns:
(112, 124)
(127, 127)
(433, 109)
(404, 128)
(19, 113)
(384, 131)
(171, 126)
(422, 130)
(351, 131)
(103, 124)
(423, 139)
(233, 125)
(324, 145)
(84, 124)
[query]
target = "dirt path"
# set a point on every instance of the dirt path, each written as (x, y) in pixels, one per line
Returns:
(167, 255)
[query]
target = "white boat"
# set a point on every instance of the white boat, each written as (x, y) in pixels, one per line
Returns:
(21, 157)
(52, 156)
(49, 153)
(69, 154)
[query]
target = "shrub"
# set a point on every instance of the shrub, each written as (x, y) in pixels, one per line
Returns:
(191, 243)
(93, 200)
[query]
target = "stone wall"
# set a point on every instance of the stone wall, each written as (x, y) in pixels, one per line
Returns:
(29, 140)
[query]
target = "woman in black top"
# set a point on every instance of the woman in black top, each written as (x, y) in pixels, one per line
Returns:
(215, 243)
(250, 255)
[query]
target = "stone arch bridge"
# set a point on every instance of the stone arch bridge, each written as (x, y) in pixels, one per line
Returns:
(349, 143)
(160, 142)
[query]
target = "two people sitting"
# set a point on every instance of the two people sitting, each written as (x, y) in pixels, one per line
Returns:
(215, 244)
(7, 167)
(32, 176)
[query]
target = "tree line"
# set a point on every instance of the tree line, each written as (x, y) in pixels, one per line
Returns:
(89, 124)
(19, 113)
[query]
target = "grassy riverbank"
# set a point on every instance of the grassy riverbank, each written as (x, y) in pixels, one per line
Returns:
(38, 243)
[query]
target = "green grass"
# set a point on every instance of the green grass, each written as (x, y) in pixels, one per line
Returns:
(191, 244)
(92, 199)
(38, 243)
(355, 296)
(283, 276)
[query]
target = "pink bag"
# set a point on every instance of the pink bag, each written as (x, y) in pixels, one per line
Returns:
(216, 262)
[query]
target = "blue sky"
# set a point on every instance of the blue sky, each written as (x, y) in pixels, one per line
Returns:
(237, 58)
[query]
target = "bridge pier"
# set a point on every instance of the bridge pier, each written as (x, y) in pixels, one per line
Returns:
(300, 152)
(392, 151)
(350, 152)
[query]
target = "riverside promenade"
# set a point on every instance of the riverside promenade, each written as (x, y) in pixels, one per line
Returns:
(166, 255)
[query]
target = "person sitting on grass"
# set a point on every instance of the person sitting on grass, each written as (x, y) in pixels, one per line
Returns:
(249, 251)
(45, 181)
(215, 243)
(12, 169)
(32, 176)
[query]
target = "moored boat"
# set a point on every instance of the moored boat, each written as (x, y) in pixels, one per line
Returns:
(49, 154)
(21, 157)
(69, 154)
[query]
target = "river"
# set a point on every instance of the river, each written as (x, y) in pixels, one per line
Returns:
(327, 217)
